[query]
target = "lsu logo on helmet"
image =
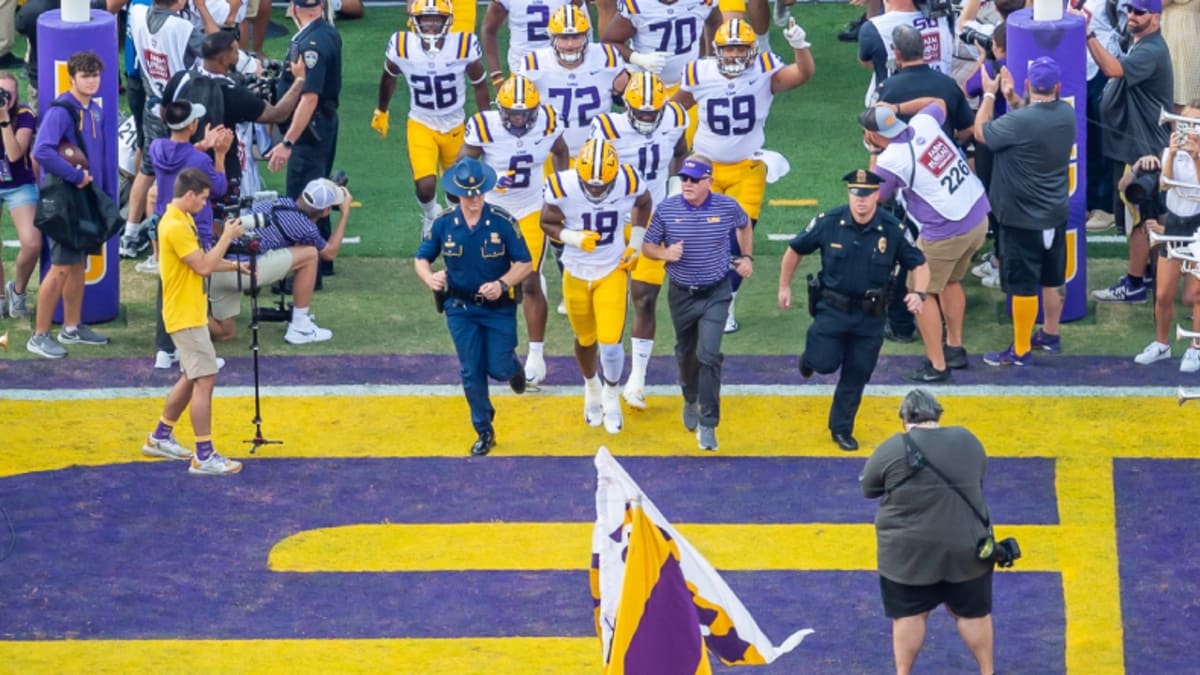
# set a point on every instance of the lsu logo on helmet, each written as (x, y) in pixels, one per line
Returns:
(597, 167)
(646, 99)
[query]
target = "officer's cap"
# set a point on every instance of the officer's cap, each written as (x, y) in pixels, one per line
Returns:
(882, 120)
(469, 177)
(862, 182)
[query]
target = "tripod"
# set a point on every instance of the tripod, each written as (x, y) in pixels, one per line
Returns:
(258, 440)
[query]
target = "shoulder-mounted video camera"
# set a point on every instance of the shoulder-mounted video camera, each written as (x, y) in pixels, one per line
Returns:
(936, 9)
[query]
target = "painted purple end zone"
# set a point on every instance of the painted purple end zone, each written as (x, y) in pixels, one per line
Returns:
(1157, 504)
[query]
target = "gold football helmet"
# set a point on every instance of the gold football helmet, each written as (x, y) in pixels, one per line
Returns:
(597, 167)
(431, 21)
(518, 102)
(736, 47)
(646, 99)
(569, 29)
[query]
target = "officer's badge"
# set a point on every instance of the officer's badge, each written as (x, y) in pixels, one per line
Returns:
(860, 177)
(882, 245)
(495, 237)
(310, 59)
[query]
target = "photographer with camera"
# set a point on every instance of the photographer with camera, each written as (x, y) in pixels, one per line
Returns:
(282, 233)
(1176, 170)
(933, 531)
(934, 31)
(19, 192)
(234, 103)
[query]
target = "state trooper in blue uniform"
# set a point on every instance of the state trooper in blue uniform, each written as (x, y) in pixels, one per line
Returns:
(860, 246)
(310, 138)
(485, 259)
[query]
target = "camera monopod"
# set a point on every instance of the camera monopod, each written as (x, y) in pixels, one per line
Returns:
(258, 440)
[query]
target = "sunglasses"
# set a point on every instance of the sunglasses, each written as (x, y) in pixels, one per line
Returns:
(689, 179)
(1138, 12)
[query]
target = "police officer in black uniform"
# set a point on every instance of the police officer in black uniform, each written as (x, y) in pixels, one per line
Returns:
(310, 139)
(485, 259)
(860, 247)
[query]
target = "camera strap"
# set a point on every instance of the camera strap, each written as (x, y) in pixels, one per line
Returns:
(917, 460)
(77, 117)
(275, 222)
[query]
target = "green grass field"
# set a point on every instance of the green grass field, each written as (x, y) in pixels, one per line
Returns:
(376, 305)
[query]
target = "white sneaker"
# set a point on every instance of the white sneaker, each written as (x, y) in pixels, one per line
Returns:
(148, 266)
(562, 307)
(1190, 362)
(731, 324)
(167, 447)
(220, 364)
(535, 369)
(984, 269)
(991, 281)
(593, 408)
(215, 465)
(611, 402)
(164, 360)
(1099, 221)
(1153, 352)
(303, 330)
(635, 395)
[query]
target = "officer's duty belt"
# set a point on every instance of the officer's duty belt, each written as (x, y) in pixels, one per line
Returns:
(840, 301)
(698, 291)
(467, 297)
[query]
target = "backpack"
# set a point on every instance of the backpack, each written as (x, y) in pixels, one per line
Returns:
(197, 87)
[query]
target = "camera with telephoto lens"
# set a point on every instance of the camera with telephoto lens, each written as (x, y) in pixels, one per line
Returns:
(1003, 553)
(935, 9)
(5, 98)
(973, 36)
(1143, 193)
(264, 84)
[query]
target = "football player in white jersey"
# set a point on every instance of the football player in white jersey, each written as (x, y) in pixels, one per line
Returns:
(528, 22)
(733, 94)
(662, 37)
(515, 141)
(436, 64)
(577, 78)
(876, 51)
(585, 208)
(650, 136)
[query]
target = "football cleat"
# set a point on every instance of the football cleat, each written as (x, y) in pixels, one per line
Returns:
(597, 168)
(736, 47)
(518, 102)
(645, 100)
(569, 28)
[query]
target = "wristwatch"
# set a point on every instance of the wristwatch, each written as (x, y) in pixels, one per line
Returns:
(920, 294)
(288, 144)
(503, 286)
(5, 125)
(1091, 34)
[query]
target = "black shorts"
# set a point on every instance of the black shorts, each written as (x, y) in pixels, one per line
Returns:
(969, 599)
(1177, 226)
(135, 93)
(1025, 264)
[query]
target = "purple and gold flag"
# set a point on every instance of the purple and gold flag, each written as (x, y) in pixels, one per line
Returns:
(635, 583)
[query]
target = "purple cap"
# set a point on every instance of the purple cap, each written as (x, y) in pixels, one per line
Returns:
(695, 168)
(1043, 74)
(1152, 6)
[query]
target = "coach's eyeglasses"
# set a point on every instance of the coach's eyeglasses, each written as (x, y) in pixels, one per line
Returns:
(689, 179)
(1138, 12)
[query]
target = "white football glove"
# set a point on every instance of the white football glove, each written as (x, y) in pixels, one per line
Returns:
(796, 36)
(636, 236)
(651, 61)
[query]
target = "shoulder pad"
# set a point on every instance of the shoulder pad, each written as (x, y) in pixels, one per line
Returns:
(531, 61)
(401, 40)
(690, 73)
(551, 119)
(611, 58)
(681, 118)
(631, 177)
(604, 122)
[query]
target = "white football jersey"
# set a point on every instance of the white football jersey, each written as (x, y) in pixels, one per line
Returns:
(160, 55)
(525, 156)
(217, 9)
(437, 84)
(937, 34)
(650, 154)
(732, 111)
(527, 22)
(608, 216)
(675, 29)
(578, 94)
(932, 167)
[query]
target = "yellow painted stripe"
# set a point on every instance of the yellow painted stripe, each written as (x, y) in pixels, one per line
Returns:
(792, 202)
(557, 546)
(469, 656)
(402, 426)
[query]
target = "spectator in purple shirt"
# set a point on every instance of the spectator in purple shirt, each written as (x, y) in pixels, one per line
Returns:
(76, 118)
(18, 191)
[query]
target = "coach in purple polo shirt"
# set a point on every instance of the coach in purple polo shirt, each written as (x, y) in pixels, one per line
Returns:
(693, 232)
